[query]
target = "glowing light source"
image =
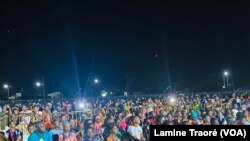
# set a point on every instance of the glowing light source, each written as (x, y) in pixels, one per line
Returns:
(96, 81)
(226, 73)
(172, 100)
(38, 84)
(104, 93)
(5, 86)
(81, 105)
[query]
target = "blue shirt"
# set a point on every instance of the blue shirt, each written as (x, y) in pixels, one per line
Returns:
(56, 131)
(43, 137)
(92, 139)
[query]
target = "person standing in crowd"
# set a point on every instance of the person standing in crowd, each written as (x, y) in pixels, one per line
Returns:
(56, 130)
(31, 128)
(40, 134)
(90, 135)
(14, 115)
(37, 115)
(135, 130)
(73, 127)
(240, 119)
(26, 114)
(47, 117)
(23, 127)
(80, 133)
(112, 130)
(13, 133)
(67, 135)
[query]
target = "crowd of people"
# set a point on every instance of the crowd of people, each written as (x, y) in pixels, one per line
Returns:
(119, 119)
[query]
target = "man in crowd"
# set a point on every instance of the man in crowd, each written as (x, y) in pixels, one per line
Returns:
(41, 134)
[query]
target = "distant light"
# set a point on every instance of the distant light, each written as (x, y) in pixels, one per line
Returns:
(156, 55)
(5, 86)
(96, 81)
(104, 93)
(172, 100)
(226, 73)
(81, 105)
(111, 93)
(38, 84)
(125, 93)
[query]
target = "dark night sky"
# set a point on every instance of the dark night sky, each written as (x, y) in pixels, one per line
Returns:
(195, 41)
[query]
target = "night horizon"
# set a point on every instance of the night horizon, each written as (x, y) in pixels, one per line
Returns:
(147, 46)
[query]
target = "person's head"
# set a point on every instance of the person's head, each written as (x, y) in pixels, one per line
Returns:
(108, 121)
(136, 120)
(89, 133)
(210, 113)
(31, 128)
(57, 124)
(230, 120)
(179, 118)
(63, 118)
(66, 127)
(169, 117)
(40, 127)
(58, 107)
(160, 120)
(36, 108)
(15, 111)
(215, 121)
(24, 108)
(240, 116)
(112, 128)
(12, 124)
(185, 123)
(47, 108)
(153, 114)
(98, 119)
(50, 106)
(72, 123)
(246, 113)
(168, 123)
(207, 119)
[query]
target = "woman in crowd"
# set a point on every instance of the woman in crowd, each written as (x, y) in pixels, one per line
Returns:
(112, 132)
(67, 135)
(13, 133)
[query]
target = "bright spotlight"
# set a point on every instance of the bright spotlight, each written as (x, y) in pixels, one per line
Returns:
(226, 73)
(81, 105)
(38, 84)
(96, 81)
(172, 100)
(5, 86)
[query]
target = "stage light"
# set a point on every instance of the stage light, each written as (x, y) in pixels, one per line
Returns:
(172, 100)
(81, 105)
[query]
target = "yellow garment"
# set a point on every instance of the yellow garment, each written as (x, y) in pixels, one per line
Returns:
(248, 118)
(23, 127)
(192, 122)
(168, 108)
(127, 109)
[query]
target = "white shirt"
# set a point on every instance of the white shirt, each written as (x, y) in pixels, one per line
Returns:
(27, 118)
(151, 107)
(235, 111)
(135, 131)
